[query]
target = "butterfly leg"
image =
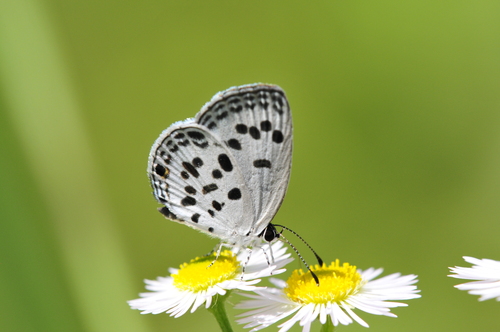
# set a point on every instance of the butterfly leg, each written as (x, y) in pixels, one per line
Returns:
(269, 261)
(210, 252)
(219, 249)
(264, 250)
(249, 251)
(267, 257)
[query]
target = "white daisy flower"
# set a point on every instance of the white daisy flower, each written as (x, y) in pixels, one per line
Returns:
(195, 283)
(486, 272)
(341, 289)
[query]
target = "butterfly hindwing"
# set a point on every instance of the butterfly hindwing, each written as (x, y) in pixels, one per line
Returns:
(193, 175)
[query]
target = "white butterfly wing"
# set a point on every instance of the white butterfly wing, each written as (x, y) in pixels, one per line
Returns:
(255, 122)
(194, 176)
(226, 171)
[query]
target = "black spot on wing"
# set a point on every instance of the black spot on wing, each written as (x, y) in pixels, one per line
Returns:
(254, 132)
(278, 102)
(188, 201)
(263, 96)
(235, 105)
(196, 135)
(195, 217)
(184, 175)
(166, 212)
(197, 162)
(248, 96)
(217, 205)
(209, 187)
(205, 119)
(260, 163)
(199, 138)
(241, 128)
(265, 125)
(235, 108)
(166, 158)
(249, 105)
(234, 100)
(249, 101)
(234, 143)
(216, 174)
(160, 170)
(277, 136)
(190, 168)
(225, 162)
(222, 115)
(234, 194)
(190, 190)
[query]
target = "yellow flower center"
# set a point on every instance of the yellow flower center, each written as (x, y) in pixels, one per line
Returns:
(197, 276)
(336, 283)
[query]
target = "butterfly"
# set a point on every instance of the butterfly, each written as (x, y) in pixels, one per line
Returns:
(225, 172)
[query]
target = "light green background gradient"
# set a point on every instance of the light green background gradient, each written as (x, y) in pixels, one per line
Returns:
(396, 160)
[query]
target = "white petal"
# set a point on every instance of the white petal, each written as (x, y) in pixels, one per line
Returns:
(323, 313)
(307, 327)
(208, 302)
(354, 316)
(313, 311)
(487, 274)
(339, 315)
(278, 282)
(303, 312)
(371, 273)
(370, 307)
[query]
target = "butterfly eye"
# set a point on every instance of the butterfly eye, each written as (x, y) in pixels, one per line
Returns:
(270, 233)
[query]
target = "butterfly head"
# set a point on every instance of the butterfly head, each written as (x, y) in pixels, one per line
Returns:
(269, 233)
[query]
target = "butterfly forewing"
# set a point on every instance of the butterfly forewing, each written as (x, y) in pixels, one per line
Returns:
(255, 122)
(226, 171)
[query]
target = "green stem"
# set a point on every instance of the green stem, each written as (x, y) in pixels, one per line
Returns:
(328, 326)
(219, 311)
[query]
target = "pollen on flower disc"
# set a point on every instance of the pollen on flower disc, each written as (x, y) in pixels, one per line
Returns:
(336, 283)
(197, 276)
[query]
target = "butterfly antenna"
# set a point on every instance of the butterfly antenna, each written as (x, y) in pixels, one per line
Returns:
(315, 277)
(320, 261)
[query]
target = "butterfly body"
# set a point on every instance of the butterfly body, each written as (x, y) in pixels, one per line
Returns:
(225, 172)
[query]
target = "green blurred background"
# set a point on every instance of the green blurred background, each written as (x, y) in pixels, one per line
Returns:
(396, 162)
